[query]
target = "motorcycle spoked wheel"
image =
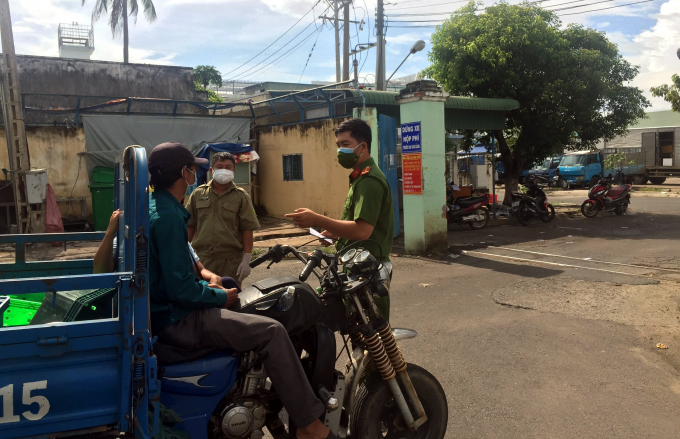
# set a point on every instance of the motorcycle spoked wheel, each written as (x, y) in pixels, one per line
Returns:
(480, 223)
(376, 415)
(589, 209)
(621, 209)
(523, 215)
(549, 216)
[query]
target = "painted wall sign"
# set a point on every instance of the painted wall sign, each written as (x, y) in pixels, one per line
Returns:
(411, 138)
(412, 170)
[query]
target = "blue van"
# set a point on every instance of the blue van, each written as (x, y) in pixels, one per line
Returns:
(583, 168)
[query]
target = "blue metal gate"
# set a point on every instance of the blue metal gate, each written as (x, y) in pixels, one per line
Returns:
(387, 127)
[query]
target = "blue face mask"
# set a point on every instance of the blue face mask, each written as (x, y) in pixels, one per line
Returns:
(346, 150)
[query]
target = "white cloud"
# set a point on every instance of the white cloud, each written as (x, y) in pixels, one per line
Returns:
(602, 25)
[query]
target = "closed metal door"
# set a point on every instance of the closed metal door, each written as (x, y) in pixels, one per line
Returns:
(649, 146)
(387, 127)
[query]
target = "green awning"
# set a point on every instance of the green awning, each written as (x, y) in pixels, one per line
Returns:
(461, 113)
(374, 97)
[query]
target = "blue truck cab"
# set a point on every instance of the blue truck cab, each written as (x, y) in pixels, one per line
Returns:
(547, 168)
(93, 376)
(583, 168)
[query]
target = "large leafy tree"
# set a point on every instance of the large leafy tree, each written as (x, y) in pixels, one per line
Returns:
(206, 75)
(669, 93)
(118, 12)
(571, 83)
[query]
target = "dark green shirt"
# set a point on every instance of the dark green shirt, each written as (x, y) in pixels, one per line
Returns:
(174, 289)
(370, 199)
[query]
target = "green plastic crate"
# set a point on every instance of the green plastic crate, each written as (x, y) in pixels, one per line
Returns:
(19, 313)
(33, 297)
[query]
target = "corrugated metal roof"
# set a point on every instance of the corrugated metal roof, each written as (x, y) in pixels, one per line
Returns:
(659, 119)
(374, 97)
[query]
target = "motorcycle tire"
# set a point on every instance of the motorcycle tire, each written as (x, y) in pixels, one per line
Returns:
(564, 184)
(589, 209)
(621, 209)
(476, 225)
(523, 215)
(375, 414)
(549, 216)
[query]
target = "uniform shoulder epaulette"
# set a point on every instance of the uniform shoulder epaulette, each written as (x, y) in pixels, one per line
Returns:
(366, 170)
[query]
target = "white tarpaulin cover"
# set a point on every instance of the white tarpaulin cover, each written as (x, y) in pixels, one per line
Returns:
(107, 136)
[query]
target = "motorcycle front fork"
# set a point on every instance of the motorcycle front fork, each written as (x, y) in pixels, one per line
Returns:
(383, 348)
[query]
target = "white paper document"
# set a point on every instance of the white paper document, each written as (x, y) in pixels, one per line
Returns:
(319, 235)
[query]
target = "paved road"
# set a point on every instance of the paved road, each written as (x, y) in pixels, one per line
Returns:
(538, 345)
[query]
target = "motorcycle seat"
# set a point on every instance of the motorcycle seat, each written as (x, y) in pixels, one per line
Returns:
(619, 190)
(167, 354)
(471, 200)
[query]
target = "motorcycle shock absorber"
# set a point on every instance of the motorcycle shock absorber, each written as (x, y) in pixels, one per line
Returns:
(399, 365)
(397, 360)
(377, 351)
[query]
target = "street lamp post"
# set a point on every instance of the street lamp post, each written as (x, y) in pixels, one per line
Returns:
(417, 47)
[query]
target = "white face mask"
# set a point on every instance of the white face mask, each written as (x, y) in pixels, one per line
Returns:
(223, 176)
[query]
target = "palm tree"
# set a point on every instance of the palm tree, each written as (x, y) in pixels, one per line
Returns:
(118, 16)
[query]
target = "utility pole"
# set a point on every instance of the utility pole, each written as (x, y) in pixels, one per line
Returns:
(380, 35)
(336, 24)
(345, 44)
(356, 72)
(15, 129)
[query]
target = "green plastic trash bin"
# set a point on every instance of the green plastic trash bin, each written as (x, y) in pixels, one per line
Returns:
(102, 197)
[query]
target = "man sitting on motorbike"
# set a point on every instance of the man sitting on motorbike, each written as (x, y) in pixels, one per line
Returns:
(192, 314)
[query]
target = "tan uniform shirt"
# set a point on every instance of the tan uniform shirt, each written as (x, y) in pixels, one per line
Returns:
(220, 220)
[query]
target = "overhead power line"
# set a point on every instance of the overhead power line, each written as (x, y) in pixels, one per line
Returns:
(439, 22)
(283, 55)
(276, 51)
(310, 54)
(274, 42)
(429, 5)
(603, 9)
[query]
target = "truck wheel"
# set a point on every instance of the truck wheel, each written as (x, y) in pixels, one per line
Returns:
(657, 180)
(594, 180)
(640, 179)
(564, 184)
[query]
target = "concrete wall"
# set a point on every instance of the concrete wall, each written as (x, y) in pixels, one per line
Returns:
(325, 182)
(38, 74)
(56, 149)
(70, 78)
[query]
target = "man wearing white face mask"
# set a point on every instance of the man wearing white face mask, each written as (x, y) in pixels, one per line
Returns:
(222, 221)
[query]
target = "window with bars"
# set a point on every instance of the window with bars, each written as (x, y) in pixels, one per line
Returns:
(292, 167)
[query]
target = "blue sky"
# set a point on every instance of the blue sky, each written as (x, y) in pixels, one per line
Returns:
(227, 33)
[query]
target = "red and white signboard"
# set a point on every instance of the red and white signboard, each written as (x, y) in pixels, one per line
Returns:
(412, 170)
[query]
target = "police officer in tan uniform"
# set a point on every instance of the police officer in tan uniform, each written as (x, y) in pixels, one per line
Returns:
(222, 221)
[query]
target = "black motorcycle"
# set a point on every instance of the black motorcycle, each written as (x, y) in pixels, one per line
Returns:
(378, 394)
(558, 181)
(533, 204)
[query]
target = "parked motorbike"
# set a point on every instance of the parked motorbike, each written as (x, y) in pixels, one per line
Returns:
(533, 204)
(225, 394)
(558, 181)
(473, 211)
(603, 196)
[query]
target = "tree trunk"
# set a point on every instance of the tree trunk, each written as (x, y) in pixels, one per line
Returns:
(126, 40)
(514, 164)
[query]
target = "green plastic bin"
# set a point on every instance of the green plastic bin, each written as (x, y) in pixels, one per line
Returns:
(19, 313)
(102, 197)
